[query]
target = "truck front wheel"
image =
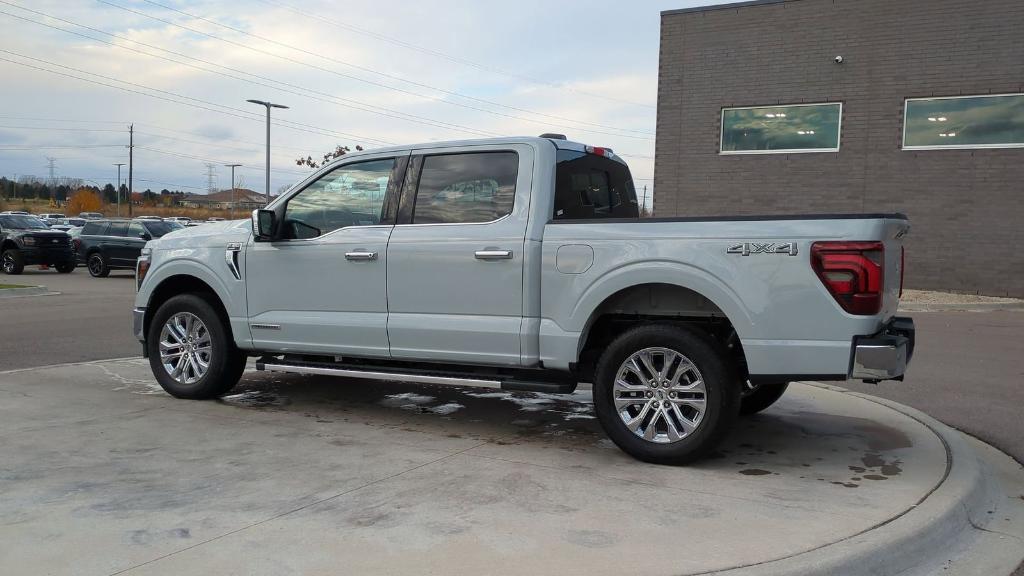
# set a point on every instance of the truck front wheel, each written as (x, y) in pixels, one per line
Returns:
(665, 394)
(191, 351)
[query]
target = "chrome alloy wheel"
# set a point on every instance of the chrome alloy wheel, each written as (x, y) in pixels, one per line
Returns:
(660, 395)
(8, 262)
(185, 347)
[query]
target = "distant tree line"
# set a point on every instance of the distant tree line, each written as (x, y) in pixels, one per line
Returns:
(32, 188)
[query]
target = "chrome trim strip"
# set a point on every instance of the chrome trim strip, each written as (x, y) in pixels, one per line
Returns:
(391, 376)
(256, 326)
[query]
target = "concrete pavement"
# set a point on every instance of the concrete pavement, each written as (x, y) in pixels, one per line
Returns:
(103, 473)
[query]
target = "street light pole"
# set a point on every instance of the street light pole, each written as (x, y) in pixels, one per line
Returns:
(118, 191)
(268, 105)
(232, 166)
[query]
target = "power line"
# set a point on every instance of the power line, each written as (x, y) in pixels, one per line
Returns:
(449, 57)
(363, 80)
(204, 104)
(302, 91)
(383, 74)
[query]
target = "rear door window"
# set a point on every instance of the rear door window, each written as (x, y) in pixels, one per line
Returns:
(589, 186)
(466, 188)
(117, 229)
(95, 228)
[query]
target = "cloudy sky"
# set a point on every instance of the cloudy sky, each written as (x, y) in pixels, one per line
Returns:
(75, 73)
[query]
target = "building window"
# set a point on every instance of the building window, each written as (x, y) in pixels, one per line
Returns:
(781, 129)
(995, 121)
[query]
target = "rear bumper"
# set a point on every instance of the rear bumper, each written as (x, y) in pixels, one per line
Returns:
(885, 355)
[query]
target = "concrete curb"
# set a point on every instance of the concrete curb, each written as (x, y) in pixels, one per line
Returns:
(975, 307)
(909, 543)
(27, 291)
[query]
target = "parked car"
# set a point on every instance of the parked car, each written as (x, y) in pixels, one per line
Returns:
(19, 212)
(91, 215)
(55, 225)
(148, 218)
(50, 216)
(522, 263)
(179, 219)
(215, 219)
(27, 240)
(112, 244)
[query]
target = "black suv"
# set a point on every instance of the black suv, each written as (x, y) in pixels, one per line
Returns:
(25, 239)
(106, 245)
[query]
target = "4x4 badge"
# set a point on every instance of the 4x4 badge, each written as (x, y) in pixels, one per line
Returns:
(748, 248)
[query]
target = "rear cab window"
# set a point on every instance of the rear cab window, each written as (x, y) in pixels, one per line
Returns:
(117, 229)
(590, 186)
(95, 228)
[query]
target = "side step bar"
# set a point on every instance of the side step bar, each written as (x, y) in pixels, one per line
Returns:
(498, 381)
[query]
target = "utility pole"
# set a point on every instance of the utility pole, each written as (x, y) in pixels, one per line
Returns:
(52, 167)
(232, 166)
(269, 105)
(119, 187)
(645, 199)
(131, 149)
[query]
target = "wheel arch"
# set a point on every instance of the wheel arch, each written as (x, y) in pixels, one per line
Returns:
(659, 292)
(176, 284)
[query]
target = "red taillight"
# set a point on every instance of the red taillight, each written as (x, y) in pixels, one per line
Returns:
(853, 272)
(903, 267)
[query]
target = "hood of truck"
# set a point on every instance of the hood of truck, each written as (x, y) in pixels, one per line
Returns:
(204, 235)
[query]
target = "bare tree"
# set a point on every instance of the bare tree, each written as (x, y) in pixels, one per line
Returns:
(338, 152)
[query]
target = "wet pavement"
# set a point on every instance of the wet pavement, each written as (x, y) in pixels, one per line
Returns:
(300, 474)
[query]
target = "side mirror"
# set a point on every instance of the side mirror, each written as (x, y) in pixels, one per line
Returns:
(145, 236)
(263, 222)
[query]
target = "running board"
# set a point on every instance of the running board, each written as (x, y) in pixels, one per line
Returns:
(502, 382)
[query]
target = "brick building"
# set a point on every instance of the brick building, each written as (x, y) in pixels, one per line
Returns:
(876, 132)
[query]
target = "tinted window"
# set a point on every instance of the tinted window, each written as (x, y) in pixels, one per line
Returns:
(457, 188)
(781, 129)
(22, 222)
(158, 229)
(351, 195)
(117, 229)
(965, 122)
(94, 228)
(135, 230)
(591, 186)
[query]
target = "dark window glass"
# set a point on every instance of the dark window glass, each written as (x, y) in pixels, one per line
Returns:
(965, 122)
(95, 228)
(157, 229)
(462, 188)
(591, 186)
(351, 195)
(781, 129)
(23, 222)
(117, 229)
(135, 230)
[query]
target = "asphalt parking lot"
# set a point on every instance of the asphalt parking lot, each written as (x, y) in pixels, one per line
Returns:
(292, 474)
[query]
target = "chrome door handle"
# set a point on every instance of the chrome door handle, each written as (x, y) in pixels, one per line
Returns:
(493, 254)
(360, 256)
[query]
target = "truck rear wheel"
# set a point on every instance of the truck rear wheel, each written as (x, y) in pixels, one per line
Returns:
(665, 394)
(761, 397)
(191, 351)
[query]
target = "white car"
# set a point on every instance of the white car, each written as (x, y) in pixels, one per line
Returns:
(522, 263)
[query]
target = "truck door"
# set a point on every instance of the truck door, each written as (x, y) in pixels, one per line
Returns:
(455, 258)
(320, 287)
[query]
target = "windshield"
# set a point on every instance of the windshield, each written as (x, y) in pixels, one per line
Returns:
(158, 229)
(20, 222)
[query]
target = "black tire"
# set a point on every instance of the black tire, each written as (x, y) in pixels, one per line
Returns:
(66, 268)
(226, 362)
(12, 261)
(97, 265)
(762, 397)
(722, 396)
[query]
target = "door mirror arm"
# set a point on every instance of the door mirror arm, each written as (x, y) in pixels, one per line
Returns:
(264, 225)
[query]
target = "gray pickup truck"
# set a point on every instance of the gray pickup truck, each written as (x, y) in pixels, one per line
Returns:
(522, 263)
